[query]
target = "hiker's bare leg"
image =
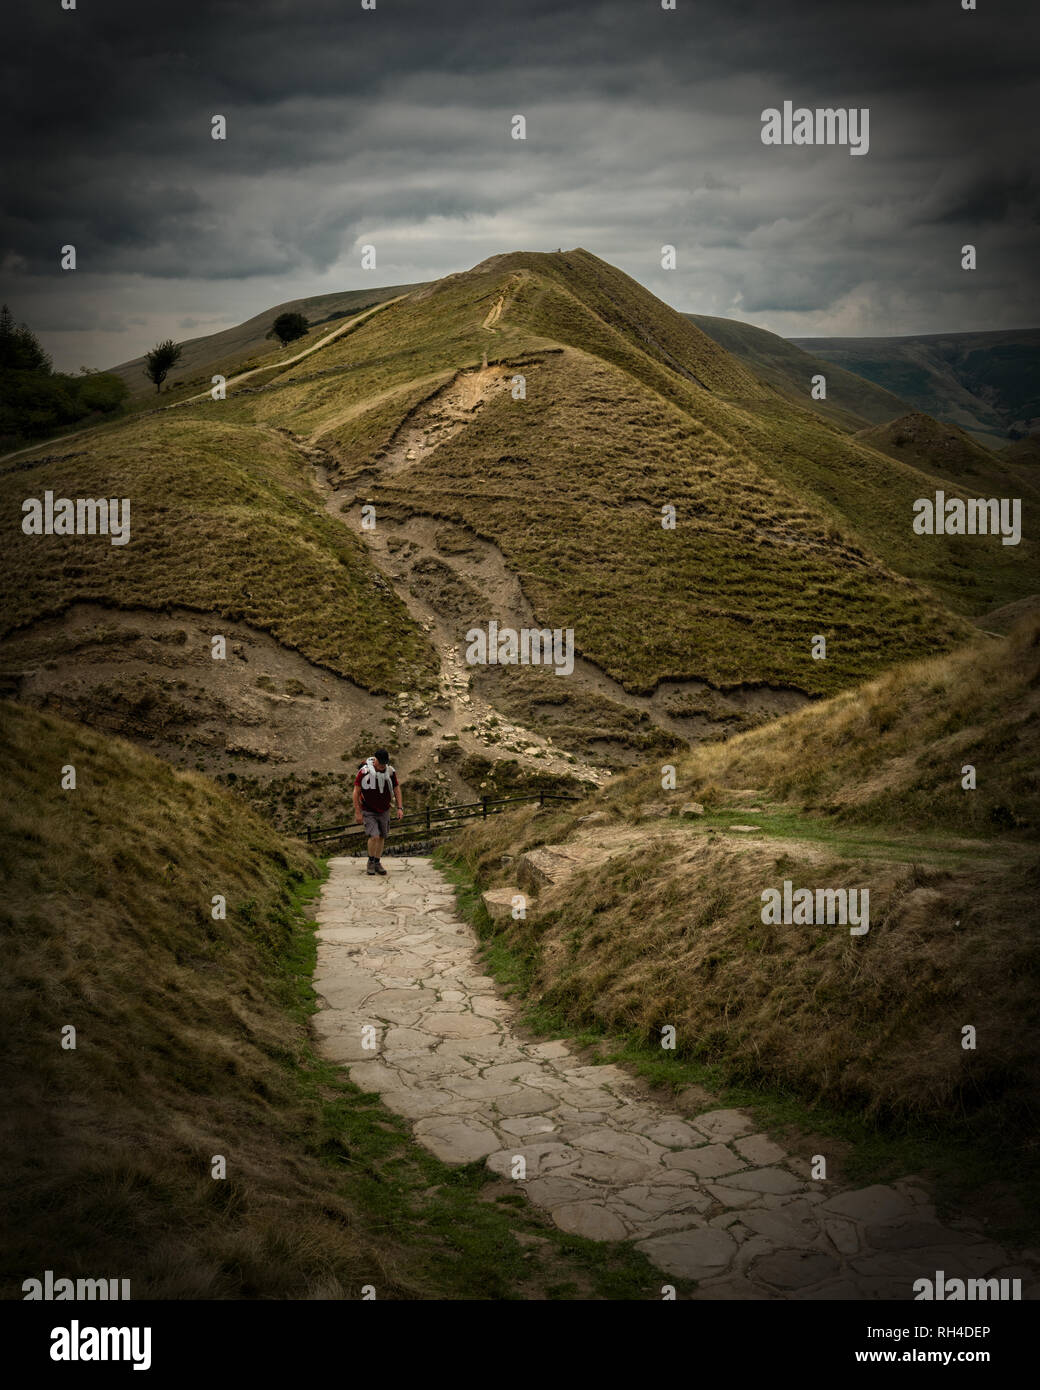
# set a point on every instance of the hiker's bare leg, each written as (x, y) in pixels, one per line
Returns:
(375, 846)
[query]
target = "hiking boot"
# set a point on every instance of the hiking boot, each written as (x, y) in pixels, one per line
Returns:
(371, 866)
(377, 867)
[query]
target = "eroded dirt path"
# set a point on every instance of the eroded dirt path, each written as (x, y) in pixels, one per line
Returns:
(299, 356)
(461, 713)
(443, 415)
(452, 580)
(405, 1005)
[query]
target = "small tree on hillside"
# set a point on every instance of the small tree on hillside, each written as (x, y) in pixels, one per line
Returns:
(158, 362)
(288, 327)
(20, 349)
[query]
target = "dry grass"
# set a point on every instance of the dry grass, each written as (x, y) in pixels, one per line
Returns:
(892, 751)
(666, 935)
(669, 932)
(669, 929)
(192, 1040)
(186, 1039)
(570, 487)
(786, 526)
(843, 484)
(223, 520)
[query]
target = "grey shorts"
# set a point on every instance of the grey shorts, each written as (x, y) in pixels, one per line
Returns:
(376, 823)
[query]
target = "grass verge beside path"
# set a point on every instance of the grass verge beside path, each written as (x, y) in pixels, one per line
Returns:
(990, 1181)
(852, 841)
(469, 1234)
(193, 1041)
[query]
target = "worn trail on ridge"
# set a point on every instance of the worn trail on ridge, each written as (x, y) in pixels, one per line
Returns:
(706, 1198)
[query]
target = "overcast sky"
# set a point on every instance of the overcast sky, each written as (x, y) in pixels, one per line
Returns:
(392, 126)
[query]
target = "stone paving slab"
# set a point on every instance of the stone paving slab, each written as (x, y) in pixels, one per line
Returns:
(706, 1197)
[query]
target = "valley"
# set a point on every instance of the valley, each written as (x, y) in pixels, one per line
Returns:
(783, 684)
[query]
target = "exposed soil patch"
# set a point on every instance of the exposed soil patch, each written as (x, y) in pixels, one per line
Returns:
(453, 580)
(152, 677)
(445, 413)
(465, 581)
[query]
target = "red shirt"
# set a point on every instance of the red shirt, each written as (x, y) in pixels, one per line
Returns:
(376, 787)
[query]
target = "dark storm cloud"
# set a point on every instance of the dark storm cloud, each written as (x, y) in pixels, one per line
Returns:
(986, 195)
(643, 128)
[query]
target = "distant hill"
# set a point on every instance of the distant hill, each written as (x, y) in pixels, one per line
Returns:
(948, 452)
(233, 347)
(987, 383)
(851, 400)
(1002, 620)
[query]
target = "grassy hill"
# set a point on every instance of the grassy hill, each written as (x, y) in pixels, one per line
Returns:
(646, 917)
(1024, 451)
(778, 512)
(851, 399)
(222, 522)
(950, 454)
(892, 751)
(192, 1041)
(1021, 459)
(246, 344)
(188, 1032)
(984, 382)
(537, 510)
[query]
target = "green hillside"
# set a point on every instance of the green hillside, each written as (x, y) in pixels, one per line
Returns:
(987, 383)
(192, 1042)
(851, 399)
(950, 454)
(641, 410)
(535, 510)
(519, 430)
(234, 349)
(223, 522)
(188, 1032)
(650, 913)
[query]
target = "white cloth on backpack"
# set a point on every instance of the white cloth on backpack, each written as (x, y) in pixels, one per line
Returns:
(374, 780)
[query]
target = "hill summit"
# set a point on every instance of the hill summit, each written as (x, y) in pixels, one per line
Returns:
(537, 443)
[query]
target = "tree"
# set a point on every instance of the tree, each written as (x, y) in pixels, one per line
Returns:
(288, 327)
(158, 362)
(36, 401)
(20, 350)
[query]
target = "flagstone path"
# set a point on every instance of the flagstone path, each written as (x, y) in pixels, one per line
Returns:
(706, 1197)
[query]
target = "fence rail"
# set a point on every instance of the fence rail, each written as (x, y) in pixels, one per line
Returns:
(425, 823)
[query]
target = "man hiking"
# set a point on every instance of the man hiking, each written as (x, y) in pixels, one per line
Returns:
(374, 786)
